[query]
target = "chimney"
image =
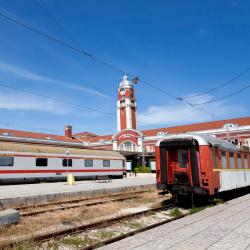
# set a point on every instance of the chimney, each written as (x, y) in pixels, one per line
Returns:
(68, 131)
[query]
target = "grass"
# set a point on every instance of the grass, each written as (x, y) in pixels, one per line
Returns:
(73, 241)
(53, 246)
(142, 169)
(52, 220)
(104, 234)
(24, 245)
(212, 203)
(135, 225)
(217, 201)
(176, 213)
(197, 209)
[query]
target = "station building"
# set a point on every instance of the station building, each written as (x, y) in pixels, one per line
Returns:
(136, 145)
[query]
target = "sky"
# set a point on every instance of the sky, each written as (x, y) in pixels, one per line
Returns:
(181, 47)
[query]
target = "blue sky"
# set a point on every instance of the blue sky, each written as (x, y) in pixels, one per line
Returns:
(183, 47)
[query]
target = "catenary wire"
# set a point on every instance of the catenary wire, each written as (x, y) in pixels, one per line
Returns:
(79, 50)
(66, 33)
(55, 99)
(219, 86)
(224, 97)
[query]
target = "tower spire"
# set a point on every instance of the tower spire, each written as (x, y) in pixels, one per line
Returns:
(126, 105)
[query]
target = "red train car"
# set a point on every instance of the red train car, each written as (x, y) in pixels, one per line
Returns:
(201, 165)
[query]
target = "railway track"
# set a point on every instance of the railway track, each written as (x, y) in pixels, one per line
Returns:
(76, 230)
(112, 221)
(128, 234)
(31, 213)
(68, 204)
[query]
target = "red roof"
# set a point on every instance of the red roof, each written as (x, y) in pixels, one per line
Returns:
(84, 134)
(185, 128)
(35, 135)
(90, 137)
(104, 137)
(198, 126)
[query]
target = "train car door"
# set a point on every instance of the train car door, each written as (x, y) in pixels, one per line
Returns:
(182, 170)
(171, 156)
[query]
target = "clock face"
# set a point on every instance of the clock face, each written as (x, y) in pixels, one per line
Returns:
(122, 92)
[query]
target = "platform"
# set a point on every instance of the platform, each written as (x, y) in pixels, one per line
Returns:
(225, 226)
(26, 194)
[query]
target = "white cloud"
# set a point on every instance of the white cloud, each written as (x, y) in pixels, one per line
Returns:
(10, 101)
(174, 113)
(26, 102)
(26, 74)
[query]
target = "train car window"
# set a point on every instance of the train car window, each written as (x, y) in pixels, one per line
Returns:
(88, 163)
(106, 163)
(41, 162)
(67, 162)
(6, 161)
(215, 162)
(223, 159)
(182, 158)
(239, 160)
(231, 160)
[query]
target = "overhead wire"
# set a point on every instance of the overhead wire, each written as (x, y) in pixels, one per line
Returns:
(224, 97)
(83, 52)
(55, 99)
(219, 86)
(66, 33)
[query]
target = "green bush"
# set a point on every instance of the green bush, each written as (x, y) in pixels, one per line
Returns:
(142, 169)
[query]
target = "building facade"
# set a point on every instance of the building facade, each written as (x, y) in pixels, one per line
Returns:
(132, 142)
(136, 145)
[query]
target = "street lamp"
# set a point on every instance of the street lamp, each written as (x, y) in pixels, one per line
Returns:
(67, 153)
(70, 177)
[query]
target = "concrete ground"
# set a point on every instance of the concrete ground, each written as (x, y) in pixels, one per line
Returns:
(225, 226)
(24, 193)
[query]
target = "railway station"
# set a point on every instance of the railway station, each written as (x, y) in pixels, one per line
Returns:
(87, 191)
(138, 147)
(173, 174)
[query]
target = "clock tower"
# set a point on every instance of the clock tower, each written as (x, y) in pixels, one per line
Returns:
(126, 105)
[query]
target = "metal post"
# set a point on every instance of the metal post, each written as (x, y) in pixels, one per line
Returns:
(143, 155)
(67, 153)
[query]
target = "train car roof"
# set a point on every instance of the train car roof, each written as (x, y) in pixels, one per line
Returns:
(44, 149)
(203, 140)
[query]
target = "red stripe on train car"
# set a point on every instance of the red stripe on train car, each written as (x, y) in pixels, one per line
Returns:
(58, 156)
(23, 171)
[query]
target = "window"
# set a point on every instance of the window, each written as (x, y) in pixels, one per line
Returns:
(67, 162)
(106, 163)
(231, 160)
(6, 161)
(161, 133)
(182, 158)
(41, 162)
(88, 163)
(239, 160)
(223, 160)
(214, 158)
(128, 146)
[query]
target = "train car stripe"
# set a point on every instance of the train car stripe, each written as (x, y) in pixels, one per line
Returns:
(27, 171)
(61, 157)
(228, 169)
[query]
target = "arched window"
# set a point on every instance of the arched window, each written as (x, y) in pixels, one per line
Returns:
(128, 146)
(160, 133)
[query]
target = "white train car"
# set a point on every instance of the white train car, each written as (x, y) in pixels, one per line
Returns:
(22, 162)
